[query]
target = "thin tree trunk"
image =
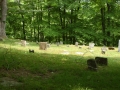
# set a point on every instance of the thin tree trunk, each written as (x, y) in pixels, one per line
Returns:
(23, 25)
(49, 14)
(108, 23)
(63, 25)
(3, 15)
(103, 24)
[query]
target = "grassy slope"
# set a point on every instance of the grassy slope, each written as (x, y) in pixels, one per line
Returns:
(50, 70)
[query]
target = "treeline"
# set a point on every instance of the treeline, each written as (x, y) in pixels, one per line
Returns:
(65, 20)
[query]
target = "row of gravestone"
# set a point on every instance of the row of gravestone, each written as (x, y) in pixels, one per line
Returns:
(91, 45)
(94, 63)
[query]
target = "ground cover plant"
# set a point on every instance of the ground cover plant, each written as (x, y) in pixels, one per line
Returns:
(53, 69)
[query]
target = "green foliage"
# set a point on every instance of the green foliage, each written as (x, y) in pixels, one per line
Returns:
(79, 19)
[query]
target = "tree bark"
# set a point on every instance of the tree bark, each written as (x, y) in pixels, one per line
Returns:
(63, 25)
(3, 15)
(103, 24)
(23, 24)
(108, 22)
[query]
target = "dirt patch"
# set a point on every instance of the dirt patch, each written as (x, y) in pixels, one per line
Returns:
(6, 81)
(25, 73)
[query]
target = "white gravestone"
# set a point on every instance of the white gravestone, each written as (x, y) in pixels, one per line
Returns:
(91, 45)
(23, 43)
(61, 43)
(119, 46)
(76, 43)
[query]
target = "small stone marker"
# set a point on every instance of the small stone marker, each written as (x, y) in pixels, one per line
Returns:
(57, 43)
(43, 45)
(31, 51)
(76, 43)
(61, 43)
(111, 48)
(101, 61)
(103, 50)
(91, 45)
(119, 46)
(92, 64)
(23, 43)
(48, 45)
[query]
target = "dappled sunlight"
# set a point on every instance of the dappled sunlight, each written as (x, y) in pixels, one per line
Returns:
(63, 49)
(55, 68)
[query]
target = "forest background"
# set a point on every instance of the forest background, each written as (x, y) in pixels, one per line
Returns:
(69, 21)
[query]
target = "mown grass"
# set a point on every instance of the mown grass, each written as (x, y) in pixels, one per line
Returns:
(51, 70)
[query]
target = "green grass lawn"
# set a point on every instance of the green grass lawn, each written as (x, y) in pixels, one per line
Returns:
(52, 70)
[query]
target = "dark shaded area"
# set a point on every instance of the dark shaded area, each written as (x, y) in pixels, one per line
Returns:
(101, 60)
(111, 48)
(92, 64)
(31, 51)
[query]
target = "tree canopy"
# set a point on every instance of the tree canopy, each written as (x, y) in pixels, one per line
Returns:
(64, 20)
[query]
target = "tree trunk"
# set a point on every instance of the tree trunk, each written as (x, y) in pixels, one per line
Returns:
(63, 25)
(23, 24)
(103, 24)
(108, 22)
(3, 15)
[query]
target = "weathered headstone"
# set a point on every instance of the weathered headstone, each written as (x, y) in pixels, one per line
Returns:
(111, 48)
(119, 46)
(48, 45)
(23, 43)
(31, 51)
(92, 64)
(103, 50)
(76, 43)
(43, 45)
(57, 43)
(37, 42)
(61, 43)
(91, 45)
(101, 61)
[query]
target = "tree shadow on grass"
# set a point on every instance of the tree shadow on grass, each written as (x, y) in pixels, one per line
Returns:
(59, 72)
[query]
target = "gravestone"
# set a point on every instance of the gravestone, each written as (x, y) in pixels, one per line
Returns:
(92, 64)
(101, 61)
(61, 43)
(48, 45)
(76, 43)
(111, 48)
(119, 46)
(43, 45)
(103, 50)
(23, 43)
(67, 45)
(57, 43)
(37, 42)
(31, 51)
(91, 45)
